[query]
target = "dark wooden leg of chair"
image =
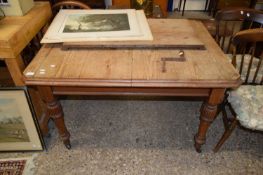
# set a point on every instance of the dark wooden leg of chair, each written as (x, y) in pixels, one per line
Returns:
(215, 7)
(223, 43)
(232, 110)
(226, 135)
(229, 45)
(206, 5)
(179, 5)
(224, 117)
(210, 5)
(222, 108)
(183, 7)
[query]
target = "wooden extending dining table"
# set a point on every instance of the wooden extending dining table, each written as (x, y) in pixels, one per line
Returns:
(188, 64)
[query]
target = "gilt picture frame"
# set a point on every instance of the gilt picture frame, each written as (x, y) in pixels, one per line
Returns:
(19, 130)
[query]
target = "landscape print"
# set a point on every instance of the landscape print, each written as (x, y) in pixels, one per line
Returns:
(96, 23)
(12, 127)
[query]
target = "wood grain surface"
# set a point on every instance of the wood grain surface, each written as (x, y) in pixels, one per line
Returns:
(178, 35)
(135, 67)
(17, 31)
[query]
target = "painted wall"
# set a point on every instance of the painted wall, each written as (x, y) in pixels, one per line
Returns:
(108, 2)
(191, 4)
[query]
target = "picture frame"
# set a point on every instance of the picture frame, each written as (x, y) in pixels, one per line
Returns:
(98, 25)
(19, 129)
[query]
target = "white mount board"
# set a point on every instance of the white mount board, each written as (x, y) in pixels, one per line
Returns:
(98, 25)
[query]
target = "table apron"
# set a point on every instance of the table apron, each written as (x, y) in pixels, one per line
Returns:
(132, 91)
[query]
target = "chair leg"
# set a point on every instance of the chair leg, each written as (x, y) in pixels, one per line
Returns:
(179, 5)
(210, 7)
(226, 135)
(183, 7)
(224, 117)
(229, 45)
(206, 5)
(222, 108)
(215, 7)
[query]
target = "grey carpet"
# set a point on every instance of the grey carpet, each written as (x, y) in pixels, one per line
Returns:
(145, 137)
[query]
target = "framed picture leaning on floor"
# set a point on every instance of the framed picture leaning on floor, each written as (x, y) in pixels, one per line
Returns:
(19, 129)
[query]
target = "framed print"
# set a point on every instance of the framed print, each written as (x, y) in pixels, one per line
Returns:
(98, 25)
(19, 129)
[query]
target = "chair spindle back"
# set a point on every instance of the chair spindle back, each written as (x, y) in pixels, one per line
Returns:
(68, 5)
(244, 47)
(230, 21)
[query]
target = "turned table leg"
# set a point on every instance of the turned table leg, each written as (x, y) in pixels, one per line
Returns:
(207, 115)
(54, 111)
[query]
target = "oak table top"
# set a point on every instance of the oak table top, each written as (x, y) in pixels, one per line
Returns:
(138, 67)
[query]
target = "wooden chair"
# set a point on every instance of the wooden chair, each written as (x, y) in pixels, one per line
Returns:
(246, 102)
(30, 51)
(68, 5)
(229, 21)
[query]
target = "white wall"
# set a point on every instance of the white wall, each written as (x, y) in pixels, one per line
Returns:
(191, 4)
(108, 2)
